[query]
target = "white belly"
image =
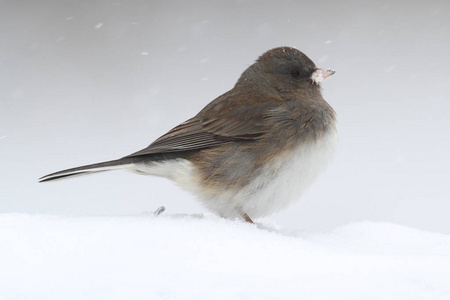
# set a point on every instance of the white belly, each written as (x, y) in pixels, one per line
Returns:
(286, 179)
(280, 184)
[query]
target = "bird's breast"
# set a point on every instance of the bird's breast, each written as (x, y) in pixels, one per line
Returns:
(284, 179)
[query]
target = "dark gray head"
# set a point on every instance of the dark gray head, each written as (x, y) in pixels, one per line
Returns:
(288, 63)
(288, 69)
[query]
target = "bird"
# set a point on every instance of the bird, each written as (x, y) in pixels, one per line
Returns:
(252, 151)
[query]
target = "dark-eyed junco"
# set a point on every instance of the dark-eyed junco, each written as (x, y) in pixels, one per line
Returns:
(251, 151)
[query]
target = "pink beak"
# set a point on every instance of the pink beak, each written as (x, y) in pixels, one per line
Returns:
(319, 75)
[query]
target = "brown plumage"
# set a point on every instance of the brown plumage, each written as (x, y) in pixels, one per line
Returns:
(245, 140)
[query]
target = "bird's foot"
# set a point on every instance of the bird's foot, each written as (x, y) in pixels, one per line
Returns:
(159, 211)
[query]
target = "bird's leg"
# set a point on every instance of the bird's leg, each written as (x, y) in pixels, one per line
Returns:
(247, 218)
(244, 216)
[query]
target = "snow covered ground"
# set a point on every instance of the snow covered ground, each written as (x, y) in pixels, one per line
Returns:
(204, 257)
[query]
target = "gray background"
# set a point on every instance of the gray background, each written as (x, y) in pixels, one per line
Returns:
(89, 81)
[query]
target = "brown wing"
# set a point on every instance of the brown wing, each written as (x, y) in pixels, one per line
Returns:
(241, 122)
(186, 136)
(222, 121)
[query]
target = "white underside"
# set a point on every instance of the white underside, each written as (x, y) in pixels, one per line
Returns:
(280, 184)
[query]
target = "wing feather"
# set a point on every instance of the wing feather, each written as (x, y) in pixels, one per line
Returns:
(214, 126)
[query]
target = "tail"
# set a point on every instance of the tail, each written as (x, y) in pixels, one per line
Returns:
(89, 169)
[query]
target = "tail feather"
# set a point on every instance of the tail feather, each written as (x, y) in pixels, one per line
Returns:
(89, 169)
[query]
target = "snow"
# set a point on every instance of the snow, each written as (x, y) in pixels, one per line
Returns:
(205, 257)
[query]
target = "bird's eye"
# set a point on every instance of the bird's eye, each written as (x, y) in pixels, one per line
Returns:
(295, 73)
